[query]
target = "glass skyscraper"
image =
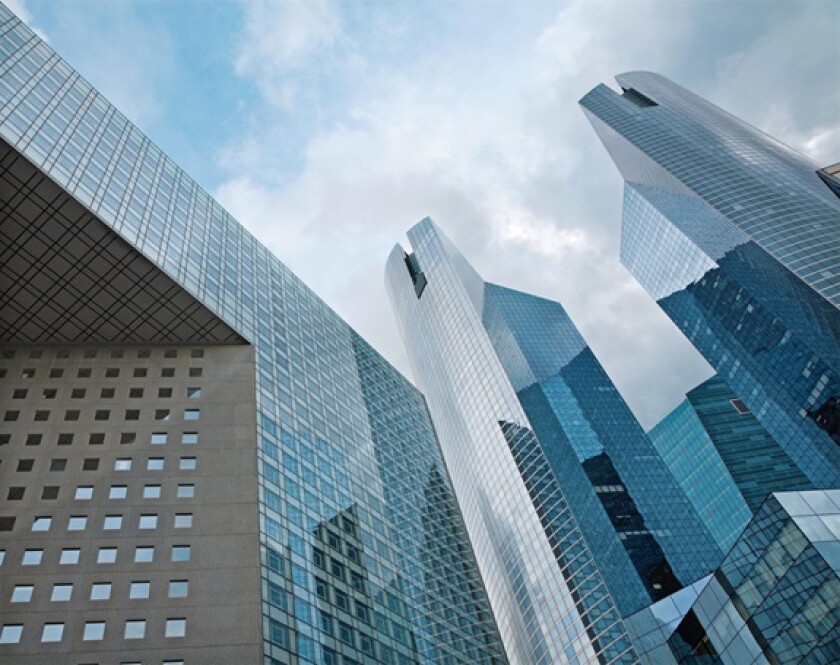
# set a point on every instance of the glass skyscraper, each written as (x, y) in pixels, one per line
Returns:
(200, 461)
(576, 521)
(737, 238)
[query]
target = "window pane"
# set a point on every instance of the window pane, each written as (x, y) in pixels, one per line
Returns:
(176, 627)
(61, 593)
(94, 631)
(53, 632)
(178, 588)
(100, 591)
(135, 630)
(69, 556)
(118, 492)
(138, 590)
(22, 594)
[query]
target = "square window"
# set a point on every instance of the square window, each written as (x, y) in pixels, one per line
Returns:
(58, 464)
(69, 556)
(155, 464)
(189, 438)
(49, 492)
(90, 464)
(100, 591)
(96, 439)
(159, 438)
(33, 439)
(122, 464)
(144, 554)
(164, 392)
(94, 631)
(132, 414)
(135, 393)
(49, 393)
(22, 593)
(61, 593)
(197, 353)
(10, 633)
(42, 416)
(176, 628)
(112, 522)
(144, 353)
(90, 353)
(195, 372)
(53, 632)
(178, 588)
(162, 414)
(27, 373)
(56, 373)
(186, 491)
(84, 493)
(32, 558)
(41, 523)
(118, 492)
(7, 523)
(135, 629)
(77, 393)
(71, 415)
(11, 416)
(167, 372)
(148, 521)
(151, 492)
(183, 521)
(138, 590)
(117, 353)
(25, 465)
(4, 439)
(77, 523)
(194, 393)
(170, 353)
(127, 438)
(20, 393)
(15, 493)
(65, 439)
(112, 372)
(180, 553)
(102, 414)
(107, 393)
(106, 555)
(191, 414)
(187, 464)
(140, 372)
(84, 372)
(2, 556)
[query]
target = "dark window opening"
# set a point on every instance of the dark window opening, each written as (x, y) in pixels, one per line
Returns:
(416, 274)
(739, 405)
(637, 98)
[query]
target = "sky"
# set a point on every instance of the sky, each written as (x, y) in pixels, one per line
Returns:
(328, 128)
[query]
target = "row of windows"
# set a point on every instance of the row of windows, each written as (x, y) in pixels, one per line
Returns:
(98, 438)
(72, 555)
(92, 353)
(73, 415)
(191, 392)
(137, 590)
(134, 629)
(116, 492)
(110, 522)
(120, 464)
(109, 373)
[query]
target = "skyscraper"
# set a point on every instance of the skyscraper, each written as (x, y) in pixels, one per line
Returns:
(200, 461)
(576, 521)
(737, 237)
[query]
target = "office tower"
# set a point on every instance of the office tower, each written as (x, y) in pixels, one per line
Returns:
(200, 462)
(737, 238)
(575, 519)
(723, 458)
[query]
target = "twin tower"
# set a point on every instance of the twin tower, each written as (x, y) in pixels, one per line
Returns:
(201, 463)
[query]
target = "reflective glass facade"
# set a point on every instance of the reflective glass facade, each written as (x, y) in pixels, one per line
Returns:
(738, 240)
(560, 487)
(364, 554)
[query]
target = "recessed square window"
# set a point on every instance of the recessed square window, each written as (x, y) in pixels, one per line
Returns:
(32, 557)
(61, 593)
(7, 523)
(5, 438)
(112, 522)
(89, 353)
(189, 438)
(139, 590)
(16, 493)
(58, 464)
(162, 414)
(10, 633)
(2, 556)
(53, 632)
(183, 520)
(42, 416)
(72, 415)
(178, 588)
(194, 393)
(186, 491)
(27, 373)
(155, 464)
(106, 555)
(69, 556)
(122, 464)
(112, 372)
(197, 353)
(65, 439)
(159, 438)
(100, 591)
(144, 554)
(11, 416)
(127, 438)
(22, 593)
(118, 492)
(180, 553)
(102, 414)
(49, 492)
(151, 492)
(90, 464)
(132, 414)
(77, 523)
(192, 414)
(94, 631)
(144, 353)
(167, 372)
(176, 628)
(96, 439)
(25, 465)
(84, 493)
(135, 629)
(117, 353)
(195, 372)
(77, 393)
(187, 464)
(135, 393)
(148, 521)
(107, 393)
(49, 393)
(20, 393)
(84, 372)
(34, 439)
(41, 523)
(170, 353)
(140, 372)
(164, 392)
(56, 372)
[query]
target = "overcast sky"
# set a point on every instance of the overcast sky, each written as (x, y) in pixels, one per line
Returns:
(328, 128)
